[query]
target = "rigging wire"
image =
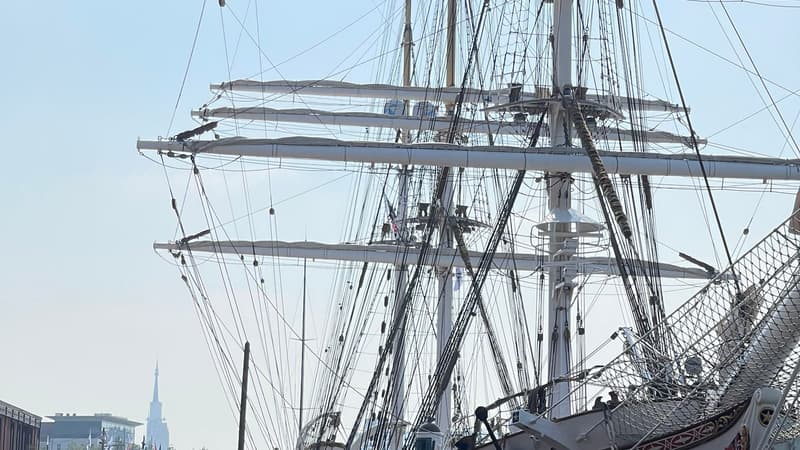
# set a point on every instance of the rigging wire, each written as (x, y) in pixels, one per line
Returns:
(465, 113)
(188, 65)
(773, 4)
(693, 136)
(715, 54)
(754, 113)
(796, 148)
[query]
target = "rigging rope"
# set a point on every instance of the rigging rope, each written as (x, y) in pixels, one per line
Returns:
(449, 356)
(693, 138)
(448, 359)
(796, 148)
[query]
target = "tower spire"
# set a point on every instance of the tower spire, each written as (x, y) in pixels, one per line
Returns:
(157, 432)
(155, 385)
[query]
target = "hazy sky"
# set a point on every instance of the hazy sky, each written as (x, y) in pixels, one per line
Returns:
(86, 307)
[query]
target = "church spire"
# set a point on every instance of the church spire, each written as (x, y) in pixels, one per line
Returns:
(157, 432)
(155, 385)
(155, 404)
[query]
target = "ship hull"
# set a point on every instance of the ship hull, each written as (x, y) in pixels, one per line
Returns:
(627, 427)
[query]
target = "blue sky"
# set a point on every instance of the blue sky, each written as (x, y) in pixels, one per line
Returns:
(86, 307)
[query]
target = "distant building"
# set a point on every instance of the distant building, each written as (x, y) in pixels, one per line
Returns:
(157, 432)
(73, 432)
(19, 429)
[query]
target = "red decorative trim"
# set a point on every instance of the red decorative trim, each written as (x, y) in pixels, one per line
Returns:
(695, 435)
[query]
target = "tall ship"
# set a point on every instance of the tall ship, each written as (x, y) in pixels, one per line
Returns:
(458, 247)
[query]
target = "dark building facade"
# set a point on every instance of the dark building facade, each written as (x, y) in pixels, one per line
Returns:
(19, 429)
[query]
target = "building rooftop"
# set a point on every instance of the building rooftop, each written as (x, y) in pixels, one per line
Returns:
(11, 411)
(61, 417)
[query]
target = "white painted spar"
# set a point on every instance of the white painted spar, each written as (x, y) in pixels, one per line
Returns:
(407, 255)
(497, 157)
(436, 123)
(560, 285)
(332, 88)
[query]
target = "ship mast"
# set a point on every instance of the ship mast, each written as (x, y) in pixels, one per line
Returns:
(559, 197)
(451, 44)
(558, 161)
(397, 380)
(444, 324)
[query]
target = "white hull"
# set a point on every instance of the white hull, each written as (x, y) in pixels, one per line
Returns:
(592, 431)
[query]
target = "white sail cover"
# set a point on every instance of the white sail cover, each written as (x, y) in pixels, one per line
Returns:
(493, 157)
(335, 88)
